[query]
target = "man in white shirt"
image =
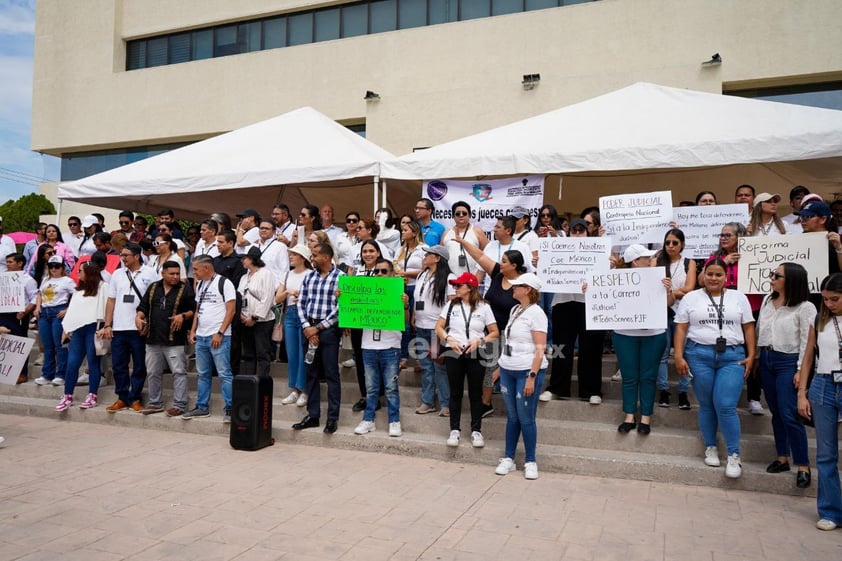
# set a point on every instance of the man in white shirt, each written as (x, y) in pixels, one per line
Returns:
(127, 287)
(331, 229)
(524, 233)
(247, 233)
(272, 252)
(284, 227)
(207, 239)
(791, 221)
(7, 247)
(18, 322)
(504, 241)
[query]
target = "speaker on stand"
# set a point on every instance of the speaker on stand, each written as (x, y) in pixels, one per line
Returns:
(251, 412)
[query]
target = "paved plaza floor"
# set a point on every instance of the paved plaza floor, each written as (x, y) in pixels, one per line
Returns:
(81, 491)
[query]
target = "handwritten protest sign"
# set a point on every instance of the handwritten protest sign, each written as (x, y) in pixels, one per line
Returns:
(759, 256)
(371, 303)
(627, 218)
(701, 226)
(12, 298)
(565, 263)
(626, 299)
(13, 353)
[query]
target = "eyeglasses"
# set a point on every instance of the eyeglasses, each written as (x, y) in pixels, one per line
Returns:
(421, 208)
(351, 220)
(383, 271)
(460, 213)
(73, 224)
(726, 236)
(775, 275)
(672, 242)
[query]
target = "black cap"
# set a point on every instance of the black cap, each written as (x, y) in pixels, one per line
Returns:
(249, 212)
(798, 191)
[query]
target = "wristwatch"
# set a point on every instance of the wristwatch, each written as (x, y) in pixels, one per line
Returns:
(532, 375)
(220, 333)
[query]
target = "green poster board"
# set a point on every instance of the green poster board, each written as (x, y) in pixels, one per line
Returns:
(371, 303)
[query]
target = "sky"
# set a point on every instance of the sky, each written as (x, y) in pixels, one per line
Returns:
(20, 169)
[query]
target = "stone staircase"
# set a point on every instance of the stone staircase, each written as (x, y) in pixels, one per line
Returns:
(574, 436)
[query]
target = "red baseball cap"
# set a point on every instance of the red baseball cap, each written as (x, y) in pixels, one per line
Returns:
(466, 278)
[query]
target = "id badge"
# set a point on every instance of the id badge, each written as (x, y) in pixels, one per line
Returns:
(419, 305)
(245, 302)
(463, 261)
(128, 298)
(375, 335)
(507, 350)
(721, 345)
(837, 376)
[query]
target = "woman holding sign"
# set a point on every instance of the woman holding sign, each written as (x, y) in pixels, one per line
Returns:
(823, 402)
(715, 341)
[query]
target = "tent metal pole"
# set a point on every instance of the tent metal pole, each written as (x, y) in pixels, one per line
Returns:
(376, 188)
(58, 215)
(385, 204)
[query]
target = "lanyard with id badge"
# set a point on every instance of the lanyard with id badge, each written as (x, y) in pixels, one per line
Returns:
(721, 344)
(129, 298)
(507, 349)
(837, 374)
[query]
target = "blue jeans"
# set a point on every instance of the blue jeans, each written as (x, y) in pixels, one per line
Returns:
(520, 410)
(125, 345)
(55, 356)
(776, 374)
(206, 358)
(546, 302)
(381, 370)
(638, 360)
(826, 404)
(433, 375)
(82, 346)
(717, 383)
(663, 368)
(293, 337)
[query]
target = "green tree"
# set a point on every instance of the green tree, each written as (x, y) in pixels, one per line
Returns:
(24, 214)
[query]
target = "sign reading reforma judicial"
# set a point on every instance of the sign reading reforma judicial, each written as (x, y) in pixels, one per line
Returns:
(626, 299)
(565, 263)
(627, 218)
(13, 353)
(759, 256)
(701, 226)
(489, 200)
(12, 298)
(371, 303)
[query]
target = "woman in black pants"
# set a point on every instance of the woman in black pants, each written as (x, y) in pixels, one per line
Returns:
(462, 326)
(568, 324)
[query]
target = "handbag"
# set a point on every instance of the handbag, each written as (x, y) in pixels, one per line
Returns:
(278, 328)
(438, 352)
(101, 344)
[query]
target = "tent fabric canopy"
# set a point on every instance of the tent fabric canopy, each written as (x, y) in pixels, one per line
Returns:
(278, 158)
(642, 126)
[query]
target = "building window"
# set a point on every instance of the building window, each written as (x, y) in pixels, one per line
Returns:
(82, 164)
(321, 24)
(827, 95)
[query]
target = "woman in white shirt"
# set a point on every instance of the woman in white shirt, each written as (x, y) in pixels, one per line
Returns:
(166, 250)
(783, 328)
(299, 263)
(823, 403)
(85, 312)
(462, 326)
(50, 307)
(460, 261)
(389, 236)
(764, 219)
(408, 265)
(523, 365)
(257, 291)
(714, 338)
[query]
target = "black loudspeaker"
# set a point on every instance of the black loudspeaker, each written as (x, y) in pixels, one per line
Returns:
(251, 413)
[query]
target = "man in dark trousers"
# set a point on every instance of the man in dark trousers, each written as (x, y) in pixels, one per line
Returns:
(229, 264)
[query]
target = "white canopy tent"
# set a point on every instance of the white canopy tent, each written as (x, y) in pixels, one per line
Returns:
(648, 137)
(291, 158)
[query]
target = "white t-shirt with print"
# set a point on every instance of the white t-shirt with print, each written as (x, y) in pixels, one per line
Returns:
(700, 314)
(375, 339)
(56, 291)
(519, 337)
(427, 317)
(477, 321)
(211, 305)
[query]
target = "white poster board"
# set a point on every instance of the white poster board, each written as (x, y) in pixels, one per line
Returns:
(12, 297)
(702, 224)
(628, 218)
(626, 299)
(13, 353)
(565, 263)
(761, 255)
(489, 200)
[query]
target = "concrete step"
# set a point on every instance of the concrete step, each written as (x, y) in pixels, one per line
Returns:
(626, 464)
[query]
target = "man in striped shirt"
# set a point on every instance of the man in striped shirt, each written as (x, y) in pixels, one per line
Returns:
(318, 311)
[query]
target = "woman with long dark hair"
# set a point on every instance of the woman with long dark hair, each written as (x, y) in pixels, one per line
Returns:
(310, 218)
(705, 198)
(55, 241)
(764, 219)
(165, 250)
(389, 236)
(783, 328)
(257, 292)
(370, 252)
(431, 295)
(550, 224)
(407, 265)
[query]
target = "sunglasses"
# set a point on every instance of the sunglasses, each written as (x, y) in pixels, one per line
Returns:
(73, 224)
(774, 275)
(545, 215)
(579, 230)
(124, 222)
(303, 215)
(55, 266)
(351, 220)
(383, 271)
(726, 236)
(672, 242)
(158, 243)
(460, 213)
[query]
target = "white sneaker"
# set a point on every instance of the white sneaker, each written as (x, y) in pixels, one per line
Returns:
(477, 441)
(505, 466)
(41, 381)
(58, 381)
(546, 396)
(755, 408)
(395, 429)
(617, 377)
(350, 363)
(712, 456)
(83, 379)
(302, 400)
(291, 398)
(823, 524)
(453, 439)
(2, 440)
(595, 400)
(364, 427)
(734, 469)
(530, 470)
